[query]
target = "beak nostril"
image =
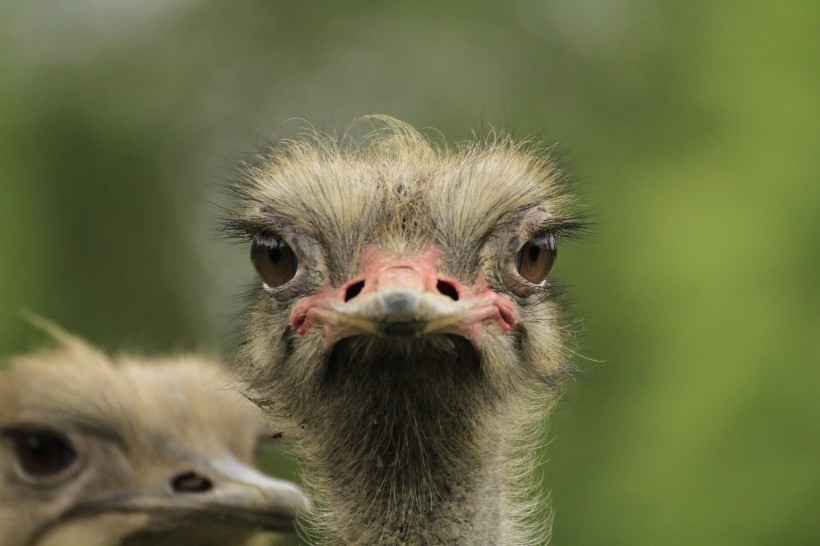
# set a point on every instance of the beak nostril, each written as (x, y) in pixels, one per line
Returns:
(353, 290)
(191, 482)
(448, 289)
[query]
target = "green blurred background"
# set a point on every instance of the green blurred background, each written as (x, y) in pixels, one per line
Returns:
(692, 128)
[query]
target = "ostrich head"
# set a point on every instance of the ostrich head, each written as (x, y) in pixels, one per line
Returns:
(101, 452)
(406, 325)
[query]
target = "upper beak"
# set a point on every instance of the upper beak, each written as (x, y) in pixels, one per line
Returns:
(243, 489)
(228, 493)
(404, 299)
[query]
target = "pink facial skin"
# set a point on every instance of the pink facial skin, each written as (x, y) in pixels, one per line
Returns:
(436, 305)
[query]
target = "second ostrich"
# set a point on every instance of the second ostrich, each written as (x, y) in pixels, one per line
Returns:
(405, 326)
(98, 450)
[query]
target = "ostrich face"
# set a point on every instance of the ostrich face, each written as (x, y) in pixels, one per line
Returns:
(134, 454)
(398, 265)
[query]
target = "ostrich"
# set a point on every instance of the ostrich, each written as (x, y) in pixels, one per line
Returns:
(96, 451)
(406, 329)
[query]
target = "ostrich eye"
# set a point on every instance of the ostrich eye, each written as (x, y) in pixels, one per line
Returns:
(273, 259)
(41, 453)
(536, 258)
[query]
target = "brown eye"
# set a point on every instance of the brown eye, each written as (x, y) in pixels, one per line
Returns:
(41, 453)
(536, 258)
(273, 259)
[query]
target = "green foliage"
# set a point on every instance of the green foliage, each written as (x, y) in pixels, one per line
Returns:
(692, 128)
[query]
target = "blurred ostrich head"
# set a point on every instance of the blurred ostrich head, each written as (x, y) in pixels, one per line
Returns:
(101, 451)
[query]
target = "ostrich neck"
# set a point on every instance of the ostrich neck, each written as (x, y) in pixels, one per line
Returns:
(412, 450)
(409, 443)
(411, 495)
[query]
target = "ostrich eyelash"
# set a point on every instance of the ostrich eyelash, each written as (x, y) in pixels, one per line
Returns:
(561, 228)
(247, 229)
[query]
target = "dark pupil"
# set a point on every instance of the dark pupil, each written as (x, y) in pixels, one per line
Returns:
(275, 251)
(535, 250)
(43, 453)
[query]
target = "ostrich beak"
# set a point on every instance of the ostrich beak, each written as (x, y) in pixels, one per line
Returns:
(245, 490)
(404, 298)
(228, 494)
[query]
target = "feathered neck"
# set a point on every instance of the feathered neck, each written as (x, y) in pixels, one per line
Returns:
(412, 447)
